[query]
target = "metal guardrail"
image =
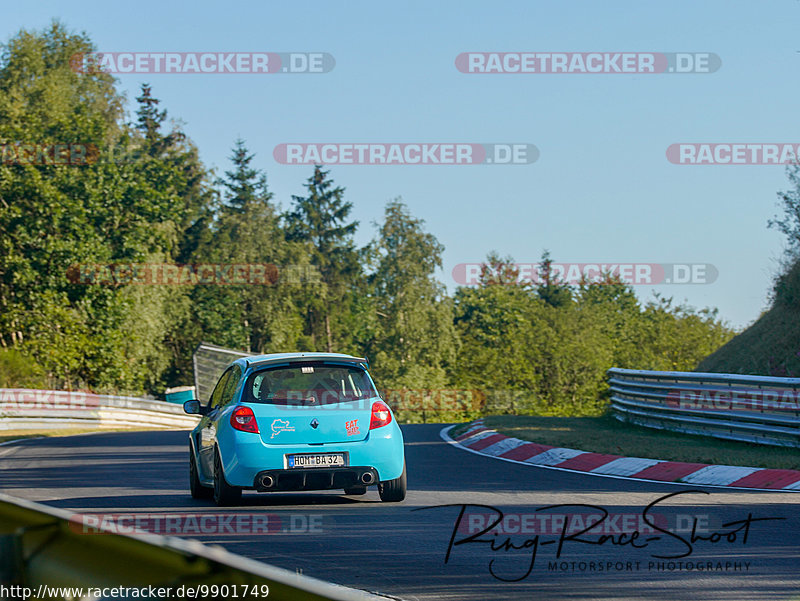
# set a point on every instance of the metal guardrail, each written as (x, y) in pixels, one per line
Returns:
(22, 409)
(44, 546)
(758, 409)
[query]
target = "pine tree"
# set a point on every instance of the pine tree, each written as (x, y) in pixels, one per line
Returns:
(246, 230)
(320, 219)
(551, 288)
(499, 270)
(244, 185)
(149, 121)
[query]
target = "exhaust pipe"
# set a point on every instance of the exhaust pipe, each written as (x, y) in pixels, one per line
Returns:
(367, 478)
(267, 481)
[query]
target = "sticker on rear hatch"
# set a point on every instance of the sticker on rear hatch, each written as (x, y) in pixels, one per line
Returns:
(279, 426)
(351, 427)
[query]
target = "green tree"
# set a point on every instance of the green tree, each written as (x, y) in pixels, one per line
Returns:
(501, 330)
(550, 288)
(119, 208)
(789, 223)
(149, 122)
(497, 270)
(46, 220)
(677, 337)
(414, 342)
(321, 219)
(617, 313)
(260, 317)
(18, 371)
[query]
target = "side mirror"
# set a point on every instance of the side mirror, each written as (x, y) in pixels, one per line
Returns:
(193, 408)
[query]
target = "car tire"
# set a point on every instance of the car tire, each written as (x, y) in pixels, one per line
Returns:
(225, 495)
(195, 486)
(393, 491)
(356, 490)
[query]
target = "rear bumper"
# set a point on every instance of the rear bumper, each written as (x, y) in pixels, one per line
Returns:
(315, 478)
(245, 457)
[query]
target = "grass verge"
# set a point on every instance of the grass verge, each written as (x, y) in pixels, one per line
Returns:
(607, 435)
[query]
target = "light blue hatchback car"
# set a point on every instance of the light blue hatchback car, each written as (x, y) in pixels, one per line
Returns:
(295, 421)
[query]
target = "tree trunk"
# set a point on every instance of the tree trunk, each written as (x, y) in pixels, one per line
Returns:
(328, 331)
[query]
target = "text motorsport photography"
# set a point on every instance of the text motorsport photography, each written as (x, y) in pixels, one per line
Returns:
(646, 540)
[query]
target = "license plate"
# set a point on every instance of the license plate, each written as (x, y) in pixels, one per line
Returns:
(316, 460)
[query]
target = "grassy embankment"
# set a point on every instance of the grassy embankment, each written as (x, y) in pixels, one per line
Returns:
(771, 346)
(608, 435)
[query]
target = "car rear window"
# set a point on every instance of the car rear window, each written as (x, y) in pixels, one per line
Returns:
(308, 384)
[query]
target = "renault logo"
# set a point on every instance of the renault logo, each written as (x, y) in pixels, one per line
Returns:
(314, 423)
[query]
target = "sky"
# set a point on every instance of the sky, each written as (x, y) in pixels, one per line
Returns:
(602, 190)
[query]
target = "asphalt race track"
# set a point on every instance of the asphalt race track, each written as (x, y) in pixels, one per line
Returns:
(737, 553)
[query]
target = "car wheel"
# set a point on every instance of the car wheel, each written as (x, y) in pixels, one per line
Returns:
(195, 487)
(224, 493)
(393, 491)
(356, 490)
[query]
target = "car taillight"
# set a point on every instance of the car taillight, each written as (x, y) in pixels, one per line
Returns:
(381, 415)
(243, 419)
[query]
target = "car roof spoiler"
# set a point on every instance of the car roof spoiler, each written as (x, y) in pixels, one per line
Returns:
(321, 357)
